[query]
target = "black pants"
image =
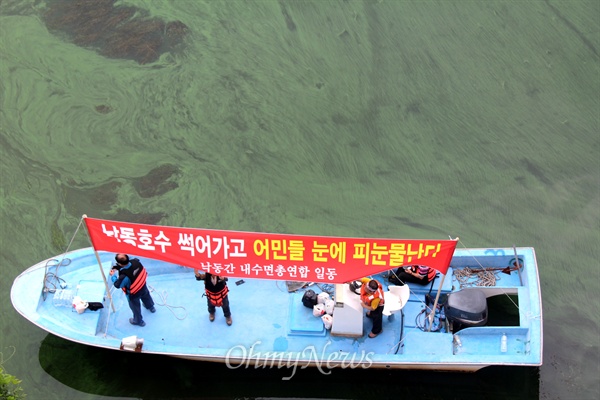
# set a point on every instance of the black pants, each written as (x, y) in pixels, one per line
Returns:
(134, 303)
(377, 316)
(407, 278)
(226, 310)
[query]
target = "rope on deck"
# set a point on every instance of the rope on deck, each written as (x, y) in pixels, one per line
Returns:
(468, 277)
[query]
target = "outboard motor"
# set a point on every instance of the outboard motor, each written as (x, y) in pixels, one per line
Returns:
(466, 308)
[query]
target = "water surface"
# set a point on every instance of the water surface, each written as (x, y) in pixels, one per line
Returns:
(354, 118)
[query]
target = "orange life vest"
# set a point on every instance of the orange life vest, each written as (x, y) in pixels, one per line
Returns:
(367, 298)
(137, 275)
(215, 293)
(431, 274)
(217, 298)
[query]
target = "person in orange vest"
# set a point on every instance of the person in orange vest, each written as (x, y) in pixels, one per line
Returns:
(130, 276)
(371, 299)
(216, 290)
(419, 274)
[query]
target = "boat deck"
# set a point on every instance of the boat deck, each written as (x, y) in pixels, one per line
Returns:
(267, 319)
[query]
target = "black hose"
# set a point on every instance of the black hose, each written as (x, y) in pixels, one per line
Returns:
(401, 332)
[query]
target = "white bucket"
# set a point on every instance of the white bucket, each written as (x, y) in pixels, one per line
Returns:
(327, 321)
(80, 308)
(323, 297)
(79, 305)
(132, 343)
(329, 306)
(318, 310)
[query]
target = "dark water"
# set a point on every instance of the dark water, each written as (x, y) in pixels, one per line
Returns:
(416, 119)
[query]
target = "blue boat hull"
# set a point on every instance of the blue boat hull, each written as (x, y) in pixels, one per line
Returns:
(272, 328)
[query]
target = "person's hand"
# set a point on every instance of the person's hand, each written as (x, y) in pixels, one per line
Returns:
(112, 271)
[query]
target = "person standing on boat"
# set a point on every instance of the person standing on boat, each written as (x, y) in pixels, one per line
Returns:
(419, 274)
(130, 276)
(371, 298)
(216, 291)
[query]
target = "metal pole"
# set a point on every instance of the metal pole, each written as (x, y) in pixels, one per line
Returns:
(437, 297)
(100, 266)
(518, 265)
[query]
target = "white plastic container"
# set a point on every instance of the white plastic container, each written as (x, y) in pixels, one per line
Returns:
(322, 297)
(327, 321)
(329, 306)
(67, 297)
(132, 343)
(62, 298)
(79, 305)
(504, 343)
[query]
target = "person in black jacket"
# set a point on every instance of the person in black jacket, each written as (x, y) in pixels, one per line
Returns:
(412, 274)
(130, 276)
(216, 291)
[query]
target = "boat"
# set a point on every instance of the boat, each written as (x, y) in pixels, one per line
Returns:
(294, 300)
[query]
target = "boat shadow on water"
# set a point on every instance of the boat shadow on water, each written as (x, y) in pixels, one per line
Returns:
(100, 372)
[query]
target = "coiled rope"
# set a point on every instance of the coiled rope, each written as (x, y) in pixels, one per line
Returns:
(163, 303)
(468, 277)
(52, 281)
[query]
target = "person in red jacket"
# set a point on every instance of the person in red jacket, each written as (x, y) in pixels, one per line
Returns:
(216, 291)
(371, 298)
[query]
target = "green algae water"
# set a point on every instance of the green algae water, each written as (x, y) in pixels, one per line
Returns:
(389, 118)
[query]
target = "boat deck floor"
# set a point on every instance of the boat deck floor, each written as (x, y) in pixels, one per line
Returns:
(266, 317)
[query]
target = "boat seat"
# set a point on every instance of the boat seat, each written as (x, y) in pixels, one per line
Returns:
(395, 299)
(91, 291)
(301, 321)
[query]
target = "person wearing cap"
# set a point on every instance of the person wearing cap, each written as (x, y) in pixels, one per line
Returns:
(130, 276)
(371, 299)
(216, 290)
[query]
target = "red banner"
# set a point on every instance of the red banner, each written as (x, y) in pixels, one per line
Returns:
(269, 255)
